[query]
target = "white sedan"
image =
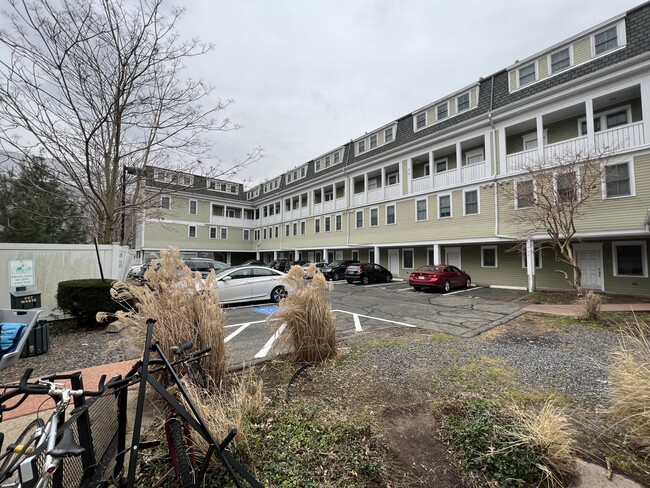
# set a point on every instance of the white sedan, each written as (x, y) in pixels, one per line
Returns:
(250, 283)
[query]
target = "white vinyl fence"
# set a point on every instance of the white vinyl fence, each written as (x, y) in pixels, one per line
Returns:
(53, 263)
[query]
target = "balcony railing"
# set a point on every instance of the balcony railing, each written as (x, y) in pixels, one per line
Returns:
(561, 150)
(340, 203)
(624, 137)
(232, 221)
(328, 206)
(359, 199)
(393, 191)
(271, 219)
(318, 208)
(474, 172)
(421, 184)
(375, 195)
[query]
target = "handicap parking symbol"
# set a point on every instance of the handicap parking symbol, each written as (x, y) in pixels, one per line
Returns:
(270, 310)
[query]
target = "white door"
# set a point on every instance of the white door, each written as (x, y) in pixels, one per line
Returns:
(590, 260)
(393, 262)
(452, 256)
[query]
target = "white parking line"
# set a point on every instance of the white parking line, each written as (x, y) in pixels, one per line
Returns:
(357, 322)
(265, 350)
(374, 318)
(242, 323)
(234, 334)
(463, 291)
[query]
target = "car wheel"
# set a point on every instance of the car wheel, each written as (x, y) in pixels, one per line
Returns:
(335, 276)
(365, 280)
(349, 282)
(447, 286)
(417, 288)
(278, 294)
(469, 282)
(389, 278)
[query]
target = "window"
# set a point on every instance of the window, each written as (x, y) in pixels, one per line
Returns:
(393, 179)
(224, 232)
(488, 256)
(328, 224)
(390, 214)
(616, 118)
(257, 234)
(277, 231)
(388, 134)
(247, 234)
(303, 228)
(166, 203)
(630, 258)
(230, 212)
(329, 195)
(560, 60)
(337, 157)
(474, 157)
(527, 74)
(566, 186)
(442, 111)
(303, 171)
(191, 231)
(359, 219)
(420, 210)
(355, 255)
(525, 194)
(374, 217)
(610, 119)
(530, 141)
(193, 204)
(328, 161)
(317, 165)
(441, 165)
(407, 258)
(444, 206)
(471, 202)
(371, 256)
(421, 120)
(295, 229)
(362, 146)
(213, 232)
(605, 40)
(264, 233)
(617, 180)
(462, 102)
(287, 230)
(537, 249)
(317, 225)
(373, 141)
(338, 222)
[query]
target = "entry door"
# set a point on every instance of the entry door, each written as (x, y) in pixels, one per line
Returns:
(393, 262)
(590, 261)
(452, 256)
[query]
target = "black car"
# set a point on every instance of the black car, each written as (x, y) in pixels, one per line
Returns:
(281, 264)
(366, 273)
(205, 265)
(253, 262)
(336, 269)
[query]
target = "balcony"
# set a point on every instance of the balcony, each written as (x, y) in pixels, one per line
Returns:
(620, 138)
(359, 199)
(232, 221)
(421, 184)
(271, 219)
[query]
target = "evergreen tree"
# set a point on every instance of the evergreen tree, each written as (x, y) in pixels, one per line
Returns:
(35, 207)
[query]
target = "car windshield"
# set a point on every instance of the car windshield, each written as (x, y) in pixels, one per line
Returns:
(429, 268)
(334, 264)
(353, 267)
(223, 273)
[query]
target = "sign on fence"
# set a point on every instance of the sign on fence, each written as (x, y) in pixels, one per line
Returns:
(21, 272)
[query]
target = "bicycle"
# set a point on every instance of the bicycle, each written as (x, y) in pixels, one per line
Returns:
(19, 466)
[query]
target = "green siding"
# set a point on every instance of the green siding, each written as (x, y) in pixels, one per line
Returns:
(562, 130)
(582, 50)
(621, 284)
(542, 67)
(515, 142)
(512, 78)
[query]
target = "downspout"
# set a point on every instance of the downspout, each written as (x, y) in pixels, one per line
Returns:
(347, 196)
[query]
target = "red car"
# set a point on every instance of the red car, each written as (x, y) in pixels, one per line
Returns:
(441, 276)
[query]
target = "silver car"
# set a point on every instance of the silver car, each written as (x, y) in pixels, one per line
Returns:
(248, 283)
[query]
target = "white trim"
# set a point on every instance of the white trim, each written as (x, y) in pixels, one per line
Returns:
(189, 228)
(411, 250)
(327, 222)
(162, 197)
(549, 61)
(535, 65)
(451, 210)
(426, 209)
(644, 258)
(469, 100)
(303, 227)
(216, 232)
(189, 206)
(630, 170)
(435, 164)
(340, 216)
(602, 117)
(478, 201)
(317, 228)
(538, 253)
(591, 246)
(355, 251)
(370, 224)
(287, 230)
(516, 202)
(446, 104)
(221, 233)
(356, 221)
(621, 40)
(474, 153)
(496, 258)
(394, 213)
(244, 237)
(415, 121)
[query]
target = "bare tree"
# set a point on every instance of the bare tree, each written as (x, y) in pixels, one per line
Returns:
(550, 196)
(95, 88)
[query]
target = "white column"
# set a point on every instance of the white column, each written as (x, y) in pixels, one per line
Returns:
(487, 150)
(325, 255)
(459, 157)
(275, 255)
(257, 255)
(436, 254)
(540, 137)
(502, 152)
(296, 255)
(375, 249)
(589, 114)
(228, 257)
(645, 109)
(383, 181)
(431, 169)
(530, 264)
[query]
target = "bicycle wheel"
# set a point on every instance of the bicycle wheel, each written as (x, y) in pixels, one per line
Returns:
(27, 438)
(181, 458)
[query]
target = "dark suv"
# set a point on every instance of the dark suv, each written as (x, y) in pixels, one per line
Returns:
(336, 269)
(204, 265)
(281, 264)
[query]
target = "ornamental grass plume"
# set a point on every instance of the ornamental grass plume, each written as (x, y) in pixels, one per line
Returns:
(185, 306)
(589, 304)
(308, 316)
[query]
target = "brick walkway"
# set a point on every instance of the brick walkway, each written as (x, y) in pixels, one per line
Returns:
(574, 310)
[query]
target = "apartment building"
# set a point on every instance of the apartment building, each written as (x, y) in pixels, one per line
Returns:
(425, 188)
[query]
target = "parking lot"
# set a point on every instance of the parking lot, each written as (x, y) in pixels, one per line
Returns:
(361, 309)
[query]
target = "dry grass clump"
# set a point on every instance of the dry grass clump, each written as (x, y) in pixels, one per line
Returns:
(589, 303)
(185, 307)
(630, 385)
(551, 435)
(308, 315)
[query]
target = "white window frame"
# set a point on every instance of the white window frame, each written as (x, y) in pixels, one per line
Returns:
(169, 202)
(375, 139)
(446, 105)
(221, 233)
(621, 40)
(451, 209)
(287, 230)
(496, 257)
(213, 232)
(361, 146)
(356, 219)
(338, 222)
(276, 233)
(426, 209)
(394, 207)
(404, 251)
(256, 234)
(630, 170)
(246, 234)
(371, 210)
(294, 228)
(317, 167)
(189, 207)
(557, 51)
(327, 224)
(355, 255)
(337, 157)
(602, 117)
(537, 251)
(388, 131)
(469, 102)
(303, 227)
(478, 201)
(389, 176)
(338, 255)
(472, 154)
(445, 160)
(516, 183)
(644, 258)
(416, 119)
(328, 161)
(317, 225)
(576, 188)
(189, 232)
(536, 70)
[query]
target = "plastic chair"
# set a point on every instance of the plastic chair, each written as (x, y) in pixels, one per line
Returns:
(27, 317)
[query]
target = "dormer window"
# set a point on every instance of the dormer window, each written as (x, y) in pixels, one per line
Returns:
(337, 157)
(303, 171)
(442, 111)
(560, 60)
(421, 120)
(388, 134)
(373, 141)
(527, 74)
(606, 40)
(327, 161)
(317, 165)
(362, 146)
(462, 102)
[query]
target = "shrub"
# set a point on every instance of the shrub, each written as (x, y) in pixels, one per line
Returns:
(589, 304)
(84, 298)
(185, 307)
(510, 447)
(308, 315)
(630, 385)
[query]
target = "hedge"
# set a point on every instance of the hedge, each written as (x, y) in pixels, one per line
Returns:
(84, 298)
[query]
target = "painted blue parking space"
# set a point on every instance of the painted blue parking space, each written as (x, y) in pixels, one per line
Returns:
(268, 310)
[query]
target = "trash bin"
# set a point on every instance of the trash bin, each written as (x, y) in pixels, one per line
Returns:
(38, 340)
